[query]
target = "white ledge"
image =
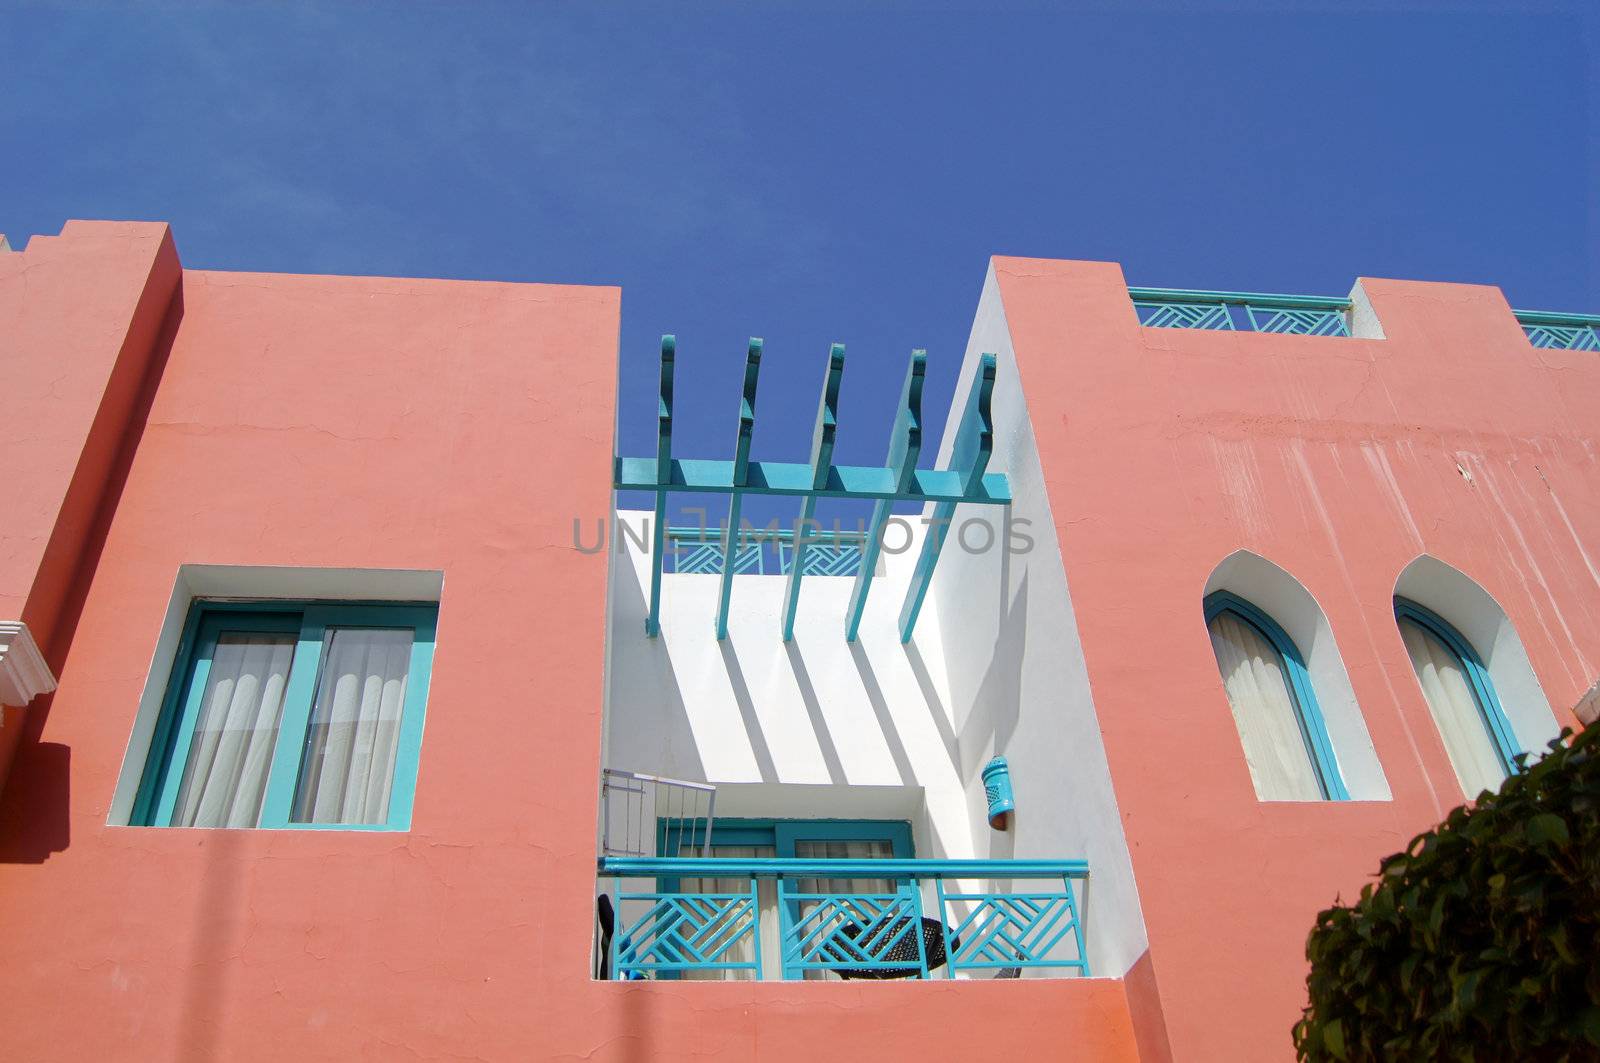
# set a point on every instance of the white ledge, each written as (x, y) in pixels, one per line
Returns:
(23, 673)
(1587, 710)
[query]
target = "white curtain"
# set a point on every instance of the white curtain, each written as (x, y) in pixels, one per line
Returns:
(355, 727)
(231, 750)
(766, 916)
(855, 850)
(1264, 711)
(841, 850)
(1455, 709)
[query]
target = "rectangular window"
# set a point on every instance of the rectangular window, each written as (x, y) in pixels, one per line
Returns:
(286, 715)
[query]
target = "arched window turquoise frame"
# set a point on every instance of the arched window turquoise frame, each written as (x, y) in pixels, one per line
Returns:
(1307, 712)
(1494, 717)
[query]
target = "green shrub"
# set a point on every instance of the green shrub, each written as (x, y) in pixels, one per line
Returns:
(1479, 941)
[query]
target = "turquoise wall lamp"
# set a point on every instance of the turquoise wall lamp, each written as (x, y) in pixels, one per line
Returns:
(997, 787)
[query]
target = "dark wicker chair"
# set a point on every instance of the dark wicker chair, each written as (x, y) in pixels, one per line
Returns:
(933, 934)
(608, 926)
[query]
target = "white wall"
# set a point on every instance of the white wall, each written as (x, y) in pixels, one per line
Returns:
(1018, 681)
(785, 729)
(1282, 597)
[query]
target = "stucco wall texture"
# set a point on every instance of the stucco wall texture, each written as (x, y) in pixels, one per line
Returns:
(1340, 460)
(246, 419)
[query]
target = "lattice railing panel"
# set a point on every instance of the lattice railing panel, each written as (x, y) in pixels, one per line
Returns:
(1015, 930)
(706, 559)
(823, 560)
(689, 932)
(856, 931)
(1184, 315)
(1290, 322)
(1564, 337)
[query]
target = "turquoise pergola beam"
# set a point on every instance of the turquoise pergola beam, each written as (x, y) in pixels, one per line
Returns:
(969, 457)
(663, 463)
(820, 469)
(898, 480)
(741, 472)
(905, 444)
(794, 479)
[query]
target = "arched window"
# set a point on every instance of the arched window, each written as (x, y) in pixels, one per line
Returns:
(1461, 697)
(1280, 726)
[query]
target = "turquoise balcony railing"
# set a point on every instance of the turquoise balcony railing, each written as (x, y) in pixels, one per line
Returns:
(763, 551)
(1290, 315)
(1561, 332)
(859, 919)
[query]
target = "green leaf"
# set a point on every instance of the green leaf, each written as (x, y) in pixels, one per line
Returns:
(1558, 940)
(1548, 827)
(1408, 969)
(1590, 1023)
(1436, 917)
(1333, 1039)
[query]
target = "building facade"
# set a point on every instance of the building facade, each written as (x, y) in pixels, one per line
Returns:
(328, 739)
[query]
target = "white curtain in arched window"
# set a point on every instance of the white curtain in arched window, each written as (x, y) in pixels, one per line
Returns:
(1455, 710)
(1264, 711)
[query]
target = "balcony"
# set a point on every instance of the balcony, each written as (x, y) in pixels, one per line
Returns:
(716, 918)
(797, 806)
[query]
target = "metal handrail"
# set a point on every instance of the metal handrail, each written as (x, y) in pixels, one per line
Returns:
(674, 804)
(728, 867)
(1551, 317)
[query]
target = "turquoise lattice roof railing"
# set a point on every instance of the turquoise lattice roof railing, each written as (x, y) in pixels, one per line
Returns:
(693, 556)
(1289, 315)
(898, 480)
(763, 551)
(837, 915)
(1560, 332)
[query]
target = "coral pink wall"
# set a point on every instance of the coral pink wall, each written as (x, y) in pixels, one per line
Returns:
(80, 315)
(1166, 450)
(363, 422)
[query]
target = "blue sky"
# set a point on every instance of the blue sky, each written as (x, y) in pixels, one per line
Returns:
(816, 175)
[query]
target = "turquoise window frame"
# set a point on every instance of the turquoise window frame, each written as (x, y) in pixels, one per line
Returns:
(1501, 734)
(1308, 713)
(309, 623)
